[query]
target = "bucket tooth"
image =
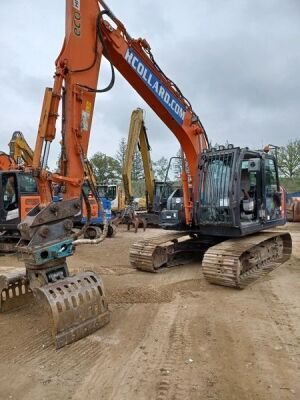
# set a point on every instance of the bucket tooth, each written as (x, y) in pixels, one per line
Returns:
(77, 305)
(14, 290)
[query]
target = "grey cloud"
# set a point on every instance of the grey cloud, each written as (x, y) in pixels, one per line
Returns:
(237, 61)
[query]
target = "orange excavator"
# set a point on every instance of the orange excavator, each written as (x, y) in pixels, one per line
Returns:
(18, 191)
(18, 195)
(230, 194)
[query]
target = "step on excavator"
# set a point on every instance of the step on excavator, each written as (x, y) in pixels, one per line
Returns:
(231, 195)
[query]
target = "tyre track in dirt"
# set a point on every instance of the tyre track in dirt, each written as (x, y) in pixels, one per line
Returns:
(243, 344)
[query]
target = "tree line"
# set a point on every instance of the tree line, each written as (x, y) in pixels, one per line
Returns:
(288, 158)
(108, 169)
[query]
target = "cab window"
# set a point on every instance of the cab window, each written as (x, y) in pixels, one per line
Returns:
(271, 176)
(271, 190)
(10, 197)
(27, 184)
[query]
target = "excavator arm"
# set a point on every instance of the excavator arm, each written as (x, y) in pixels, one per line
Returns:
(77, 302)
(20, 150)
(137, 137)
(147, 166)
(88, 36)
(135, 61)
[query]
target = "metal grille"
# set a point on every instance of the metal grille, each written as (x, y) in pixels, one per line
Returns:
(215, 178)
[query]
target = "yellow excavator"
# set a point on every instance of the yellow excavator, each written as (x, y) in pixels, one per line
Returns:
(157, 193)
(20, 150)
(137, 138)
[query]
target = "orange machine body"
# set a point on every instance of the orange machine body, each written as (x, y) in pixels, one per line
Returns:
(88, 37)
(16, 198)
(27, 203)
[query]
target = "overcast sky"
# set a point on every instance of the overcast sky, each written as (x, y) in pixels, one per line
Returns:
(237, 61)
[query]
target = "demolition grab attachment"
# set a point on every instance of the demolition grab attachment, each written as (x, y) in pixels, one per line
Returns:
(77, 303)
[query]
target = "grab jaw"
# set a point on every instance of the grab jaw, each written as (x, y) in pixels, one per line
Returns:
(76, 303)
(77, 306)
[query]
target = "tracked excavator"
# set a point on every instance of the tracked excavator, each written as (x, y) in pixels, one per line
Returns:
(232, 196)
(229, 226)
(18, 192)
(76, 303)
(158, 193)
(134, 212)
(22, 155)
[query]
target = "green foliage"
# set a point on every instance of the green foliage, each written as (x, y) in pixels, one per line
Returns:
(289, 159)
(120, 155)
(137, 167)
(290, 184)
(160, 168)
(107, 169)
(138, 188)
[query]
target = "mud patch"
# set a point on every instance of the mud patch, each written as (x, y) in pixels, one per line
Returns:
(162, 294)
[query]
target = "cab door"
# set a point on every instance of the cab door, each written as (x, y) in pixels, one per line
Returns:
(272, 195)
(28, 193)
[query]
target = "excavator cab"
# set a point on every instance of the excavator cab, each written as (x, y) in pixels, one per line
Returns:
(239, 192)
(163, 190)
(18, 195)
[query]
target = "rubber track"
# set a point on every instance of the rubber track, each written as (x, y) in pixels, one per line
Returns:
(240, 262)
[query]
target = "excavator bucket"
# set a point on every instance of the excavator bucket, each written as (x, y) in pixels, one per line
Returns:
(14, 290)
(77, 305)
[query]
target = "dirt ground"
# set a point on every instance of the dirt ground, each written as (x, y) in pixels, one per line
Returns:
(171, 336)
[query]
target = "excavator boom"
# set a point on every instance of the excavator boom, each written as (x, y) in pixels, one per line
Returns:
(77, 303)
(20, 150)
(137, 137)
(211, 183)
